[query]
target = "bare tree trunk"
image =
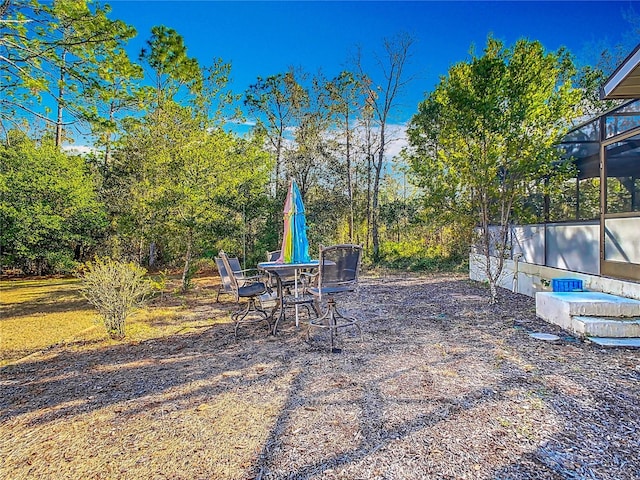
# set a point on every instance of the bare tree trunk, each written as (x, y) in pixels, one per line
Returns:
(369, 167)
(278, 162)
(376, 190)
(356, 189)
(61, 93)
(349, 181)
(107, 146)
(186, 276)
(498, 243)
(140, 251)
(153, 254)
(486, 247)
(382, 100)
(277, 213)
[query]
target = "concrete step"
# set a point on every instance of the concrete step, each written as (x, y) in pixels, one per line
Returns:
(616, 342)
(588, 303)
(611, 327)
(561, 308)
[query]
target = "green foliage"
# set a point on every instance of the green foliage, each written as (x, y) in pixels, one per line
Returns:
(57, 51)
(491, 126)
(198, 266)
(415, 257)
(190, 185)
(177, 182)
(278, 102)
(48, 207)
(176, 186)
(61, 263)
(158, 283)
(488, 133)
(187, 278)
(173, 69)
(116, 289)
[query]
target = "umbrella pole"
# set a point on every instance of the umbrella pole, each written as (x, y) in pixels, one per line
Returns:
(295, 289)
(244, 237)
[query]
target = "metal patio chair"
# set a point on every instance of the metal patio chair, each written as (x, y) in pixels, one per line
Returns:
(244, 285)
(225, 279)
(337, 274)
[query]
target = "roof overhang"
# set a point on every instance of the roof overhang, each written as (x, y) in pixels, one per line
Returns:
(625, 81)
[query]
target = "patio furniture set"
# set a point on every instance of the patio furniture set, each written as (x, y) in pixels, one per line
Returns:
(290, 278)
(276, 286)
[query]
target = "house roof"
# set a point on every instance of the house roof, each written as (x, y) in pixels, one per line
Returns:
(625, 81)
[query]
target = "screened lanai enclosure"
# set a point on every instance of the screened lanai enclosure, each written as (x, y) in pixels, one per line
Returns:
(609, 195)
(592, 224)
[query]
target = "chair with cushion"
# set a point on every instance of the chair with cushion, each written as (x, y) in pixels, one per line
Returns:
(273, 256)
(244, 285)
(225, 279)
(337, 274)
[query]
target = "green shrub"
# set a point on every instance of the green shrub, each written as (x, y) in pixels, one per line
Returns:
(412, 256)
(158, 284)
(116, 290)
(61, 263)
(204, 265)
(197, 266)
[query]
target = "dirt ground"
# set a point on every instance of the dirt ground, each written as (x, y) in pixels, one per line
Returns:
(443, 386)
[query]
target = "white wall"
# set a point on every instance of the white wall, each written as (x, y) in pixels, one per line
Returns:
(567, 246)
(532, 278)
(622, 239)
(574, 247)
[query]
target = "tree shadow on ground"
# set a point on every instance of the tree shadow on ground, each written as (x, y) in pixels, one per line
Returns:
(443, 386)
(596, 403)
(99, 378)
(51, 302)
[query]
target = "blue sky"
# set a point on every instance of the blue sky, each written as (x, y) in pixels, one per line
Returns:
(265, 38)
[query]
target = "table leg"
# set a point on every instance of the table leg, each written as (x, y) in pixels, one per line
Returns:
(295, 289)
(280, 306)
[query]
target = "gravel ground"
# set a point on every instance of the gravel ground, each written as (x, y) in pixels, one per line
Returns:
(444, 386)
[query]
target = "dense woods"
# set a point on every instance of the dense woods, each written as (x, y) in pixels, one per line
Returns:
(167, 180)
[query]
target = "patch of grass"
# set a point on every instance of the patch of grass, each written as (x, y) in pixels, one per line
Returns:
(411, 258)
(38, 314)
(504, 422)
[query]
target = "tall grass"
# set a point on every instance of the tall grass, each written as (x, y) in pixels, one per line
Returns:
(414, 257)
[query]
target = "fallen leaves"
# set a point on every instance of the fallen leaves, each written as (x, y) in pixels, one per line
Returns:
(443, 386)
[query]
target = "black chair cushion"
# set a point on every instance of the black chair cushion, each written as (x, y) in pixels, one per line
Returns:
(331, 290)
(252, 290)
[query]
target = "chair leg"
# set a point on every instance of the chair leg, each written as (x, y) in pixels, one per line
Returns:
(333, 319)
(239, 316)
(349, 321)
(316, 307)
(281, 308)
(308, 309)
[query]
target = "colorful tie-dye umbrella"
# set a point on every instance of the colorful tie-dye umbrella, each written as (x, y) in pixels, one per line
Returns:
(295, 246)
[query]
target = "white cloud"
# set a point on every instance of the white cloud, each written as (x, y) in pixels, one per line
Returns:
(244, 123)
(79, 149)
(396, 140)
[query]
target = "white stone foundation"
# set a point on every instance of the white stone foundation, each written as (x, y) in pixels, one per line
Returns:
(531, 278)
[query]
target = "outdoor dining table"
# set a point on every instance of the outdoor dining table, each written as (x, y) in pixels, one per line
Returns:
(275, 268)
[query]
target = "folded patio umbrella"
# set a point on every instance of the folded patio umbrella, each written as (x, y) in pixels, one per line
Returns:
(295, 245)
